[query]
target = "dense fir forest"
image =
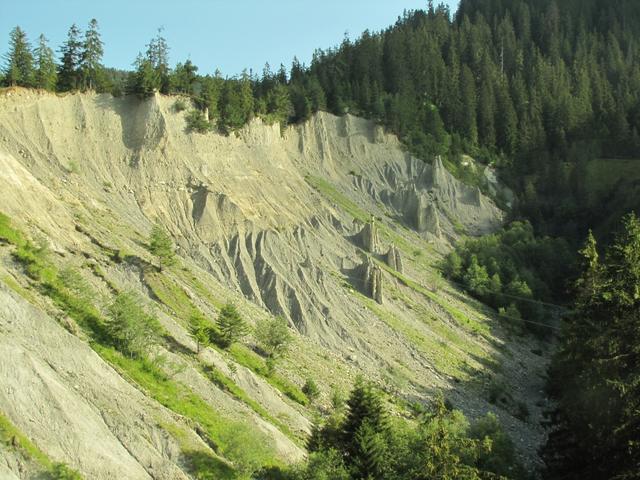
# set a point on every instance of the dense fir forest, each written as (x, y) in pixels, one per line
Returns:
(536, 88)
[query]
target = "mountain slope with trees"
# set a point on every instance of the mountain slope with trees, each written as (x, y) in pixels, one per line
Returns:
(539, 89)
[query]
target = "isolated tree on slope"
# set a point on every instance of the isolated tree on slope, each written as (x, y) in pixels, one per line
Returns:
(19, 60)
(199, 329)
(69, 70)
(161, 246)
(274, 338)
(231, 325)
(46, 75)
(130, 327)
(91, 57)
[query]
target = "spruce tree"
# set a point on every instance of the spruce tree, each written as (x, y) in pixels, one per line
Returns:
(365, 406)
(71, 54)
(18, 70)
(46, 75)
(91, 57)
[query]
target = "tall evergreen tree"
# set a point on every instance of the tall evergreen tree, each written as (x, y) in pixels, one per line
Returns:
(71, 54)
(91, 57)
(158, 56)
(596, 374)
(184, 78)
(18, 68)
(46, 75)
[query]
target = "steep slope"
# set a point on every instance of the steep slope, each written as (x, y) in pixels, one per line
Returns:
(329, 224)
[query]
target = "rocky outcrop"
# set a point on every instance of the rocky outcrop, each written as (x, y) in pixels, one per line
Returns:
(368, 237)
(372, 280)
(428, 218)
(394, 260)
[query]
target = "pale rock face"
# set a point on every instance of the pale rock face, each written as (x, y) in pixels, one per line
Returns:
(368, 237)
(373, 281)
(394, 259)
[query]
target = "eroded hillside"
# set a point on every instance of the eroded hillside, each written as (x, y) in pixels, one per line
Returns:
(329, 224)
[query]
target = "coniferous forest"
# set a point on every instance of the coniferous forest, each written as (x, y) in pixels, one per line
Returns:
(535, 88)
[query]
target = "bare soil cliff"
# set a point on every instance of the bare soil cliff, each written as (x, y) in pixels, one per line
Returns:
(329, 224)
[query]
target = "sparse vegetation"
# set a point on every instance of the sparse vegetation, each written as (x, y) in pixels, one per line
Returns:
(255, 363)
(179, 105)
(61, 471)
(180, 399)
(14, 439)
(197, 123)
(310, 389)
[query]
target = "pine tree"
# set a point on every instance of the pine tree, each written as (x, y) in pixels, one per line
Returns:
(69, 68)
(231, 326)
(596, 373)
(46, 75)
(274, 338)
(161, 246)
(131, 328)
(91, 57)
(19, 61)
(371, 450)
(200, 331)
(466, 120)
(506, 121)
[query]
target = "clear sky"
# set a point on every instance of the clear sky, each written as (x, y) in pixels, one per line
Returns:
(225, 34)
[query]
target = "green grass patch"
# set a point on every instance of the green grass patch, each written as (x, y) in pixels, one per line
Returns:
(203, 292)
(201, 463)
(8, 233)
(444, 331)
(68, 291)
(14, 438)
(170, 294)
(19, 289)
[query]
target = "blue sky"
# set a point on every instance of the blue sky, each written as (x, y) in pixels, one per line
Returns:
(225, 34)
